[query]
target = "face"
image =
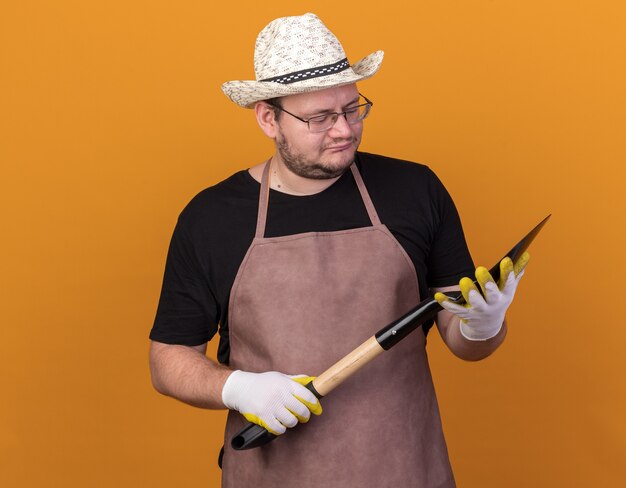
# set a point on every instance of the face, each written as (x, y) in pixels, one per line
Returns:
(320, 155)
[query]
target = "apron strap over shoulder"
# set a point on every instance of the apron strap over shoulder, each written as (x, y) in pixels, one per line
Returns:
(264, 196)
(371, 210)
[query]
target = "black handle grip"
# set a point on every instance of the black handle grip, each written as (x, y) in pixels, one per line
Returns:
(253, 435)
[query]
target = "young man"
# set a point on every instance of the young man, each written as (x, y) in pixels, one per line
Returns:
(297, 261)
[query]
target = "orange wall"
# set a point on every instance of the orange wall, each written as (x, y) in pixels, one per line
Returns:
(111, 119)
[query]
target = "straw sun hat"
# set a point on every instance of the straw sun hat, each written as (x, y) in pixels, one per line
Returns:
(297, 55)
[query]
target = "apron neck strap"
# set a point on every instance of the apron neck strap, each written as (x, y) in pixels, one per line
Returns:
(264, 195)
(369, 205)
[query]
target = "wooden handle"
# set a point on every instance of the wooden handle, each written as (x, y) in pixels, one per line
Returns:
(347, 366)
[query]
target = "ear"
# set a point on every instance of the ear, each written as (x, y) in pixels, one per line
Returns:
(266, 119)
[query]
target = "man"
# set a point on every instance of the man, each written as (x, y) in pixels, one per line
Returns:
(297, 261)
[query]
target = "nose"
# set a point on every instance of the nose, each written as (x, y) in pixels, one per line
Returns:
(341, 127)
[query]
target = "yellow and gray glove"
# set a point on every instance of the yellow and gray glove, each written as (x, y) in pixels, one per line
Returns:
(482, 315)
(273, 400)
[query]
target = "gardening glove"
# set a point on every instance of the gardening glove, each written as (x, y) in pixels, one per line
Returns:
(483, 314)
(272, 400)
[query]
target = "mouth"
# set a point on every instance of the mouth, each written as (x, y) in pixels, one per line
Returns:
(340, 147)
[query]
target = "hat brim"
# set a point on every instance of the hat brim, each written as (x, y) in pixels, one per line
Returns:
(247, 93)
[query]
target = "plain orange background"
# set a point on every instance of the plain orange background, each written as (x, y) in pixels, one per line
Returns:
(111, 119)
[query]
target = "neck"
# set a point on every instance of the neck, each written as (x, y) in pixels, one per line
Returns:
(285, 181)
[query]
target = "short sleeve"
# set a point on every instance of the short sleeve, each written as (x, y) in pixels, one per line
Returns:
(449, 258)
(188, 312)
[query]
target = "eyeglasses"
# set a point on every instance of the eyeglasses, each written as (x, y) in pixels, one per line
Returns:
(324, 122)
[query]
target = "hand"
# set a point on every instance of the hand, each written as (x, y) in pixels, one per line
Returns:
(483, 314)
(273, 400)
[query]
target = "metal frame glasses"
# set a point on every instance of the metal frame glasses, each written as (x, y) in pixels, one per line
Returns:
(324, 122)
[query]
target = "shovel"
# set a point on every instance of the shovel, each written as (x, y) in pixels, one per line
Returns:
(253, 435)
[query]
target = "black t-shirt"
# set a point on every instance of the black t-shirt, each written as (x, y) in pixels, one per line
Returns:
(216, 229)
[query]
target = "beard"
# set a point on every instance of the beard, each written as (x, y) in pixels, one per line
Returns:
(302, 166)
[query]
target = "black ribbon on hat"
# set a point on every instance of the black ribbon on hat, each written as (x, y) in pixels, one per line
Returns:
(309, 73)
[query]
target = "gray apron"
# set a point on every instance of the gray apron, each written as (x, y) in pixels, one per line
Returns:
(298, 304)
